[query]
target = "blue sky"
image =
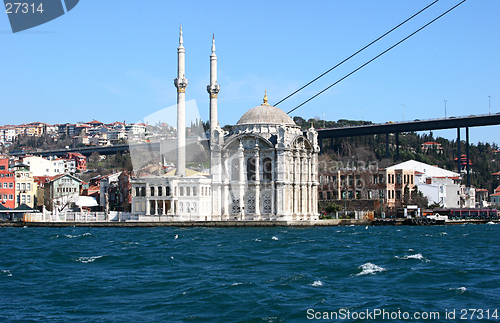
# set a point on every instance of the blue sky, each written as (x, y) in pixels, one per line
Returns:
(115, 61)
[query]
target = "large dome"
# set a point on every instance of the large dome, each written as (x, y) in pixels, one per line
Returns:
(266, 114)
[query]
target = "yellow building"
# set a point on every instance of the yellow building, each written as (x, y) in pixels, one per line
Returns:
(25, 186)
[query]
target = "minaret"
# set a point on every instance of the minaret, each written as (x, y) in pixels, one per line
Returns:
(213, 89)
(181, 83)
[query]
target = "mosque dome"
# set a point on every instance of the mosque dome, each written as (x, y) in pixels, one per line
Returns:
(266, 114)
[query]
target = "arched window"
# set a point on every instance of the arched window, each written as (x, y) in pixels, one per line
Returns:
(251, 169)
(268, 169)
(235, 170)
(181, 191)
(160, 191)
(152, 190)
(137, 191)
(188, 191)
(143, 191)
(167, 191)
(194, 191)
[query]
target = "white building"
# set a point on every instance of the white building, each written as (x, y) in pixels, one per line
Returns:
(439, 185)
(49, 167)
(265, 168)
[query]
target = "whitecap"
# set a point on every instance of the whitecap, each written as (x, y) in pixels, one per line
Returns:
(236, 284)
(370, 268)
(71, 236)
(86, 260)
(411, 250)
(274, 238)
(6, 271)
(491, 222)
(258, 240)
(176, 236)
(443, 234)
(417, 256)
(171, 257)
(460, 290)
(366, 228)
(86, 234)
(317, 283)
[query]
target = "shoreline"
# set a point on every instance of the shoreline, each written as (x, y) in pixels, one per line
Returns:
(223, 224)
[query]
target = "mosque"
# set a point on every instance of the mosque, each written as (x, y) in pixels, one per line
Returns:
(264, 168)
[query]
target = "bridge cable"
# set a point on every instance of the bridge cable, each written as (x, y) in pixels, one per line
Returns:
(356, 53)
(371, 60)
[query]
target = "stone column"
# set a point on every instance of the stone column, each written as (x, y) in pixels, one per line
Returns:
(241, 183)
(257, 181)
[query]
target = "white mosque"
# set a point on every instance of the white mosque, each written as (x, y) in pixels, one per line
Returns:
(265, 168)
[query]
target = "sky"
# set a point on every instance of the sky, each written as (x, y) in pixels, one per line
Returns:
(116, 60)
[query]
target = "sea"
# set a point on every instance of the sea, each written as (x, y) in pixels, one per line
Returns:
(278, 274)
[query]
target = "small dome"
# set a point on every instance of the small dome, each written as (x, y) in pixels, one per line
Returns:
(266, 114)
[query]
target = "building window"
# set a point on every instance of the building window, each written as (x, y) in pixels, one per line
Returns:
(5, 197)
(194, 191)
(160, 191)
(251, 169)
(398, 195)
(268, 168)
(23, 198)
(358, 195)
(398, 179)
(181, 191)
(143, 191)
(11, 185)
(181, 207)
(369, 195)
(152, 191)
(5, 185)
(137, 192)
(327, 195)
(411, 182)
(188, 191)
(28, 186)
(17, 187)
(28, 198)
(235, 170)
(167, 191)
(11, 197)
(381, 194)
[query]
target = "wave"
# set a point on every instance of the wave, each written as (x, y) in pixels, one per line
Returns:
(370, 268)
(491, 222)
(460, 290)
(78, 235)
(86, 260)
(317, 283)
(275, 238)
(6, 271)
(417, 256)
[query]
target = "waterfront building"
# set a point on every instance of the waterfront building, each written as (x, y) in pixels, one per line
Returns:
(7, 182)
(61, 192)
(264, 168)
(25, 186)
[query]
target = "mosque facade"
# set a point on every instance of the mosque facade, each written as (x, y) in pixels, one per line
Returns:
(264, 168)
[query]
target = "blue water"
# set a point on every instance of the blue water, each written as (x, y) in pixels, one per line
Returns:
(246, 274)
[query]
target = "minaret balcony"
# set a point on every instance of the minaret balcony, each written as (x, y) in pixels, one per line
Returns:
(180, 83)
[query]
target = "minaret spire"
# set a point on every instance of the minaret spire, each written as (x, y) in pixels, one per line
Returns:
(213, 91)
(181, 83)
(181, 40)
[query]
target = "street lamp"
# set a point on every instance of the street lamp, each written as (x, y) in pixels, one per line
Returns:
(445, 108)
(403, 112)
(489, 103)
